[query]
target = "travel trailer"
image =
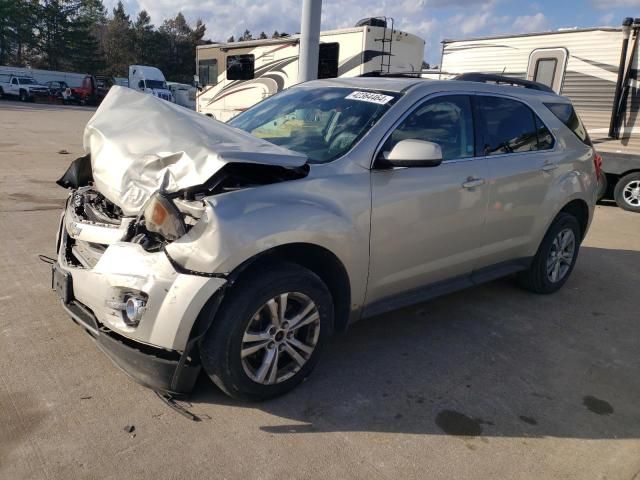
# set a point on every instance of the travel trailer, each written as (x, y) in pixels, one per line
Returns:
(595, 67)
(235, 76)
(149, 80)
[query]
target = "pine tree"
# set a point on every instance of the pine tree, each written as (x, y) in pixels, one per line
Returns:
(118, 42)
(262, 36)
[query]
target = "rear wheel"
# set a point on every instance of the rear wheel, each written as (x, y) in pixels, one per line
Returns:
(556, 256)
(23, 96)
(627, 192)
(1, 93)
(269, 333)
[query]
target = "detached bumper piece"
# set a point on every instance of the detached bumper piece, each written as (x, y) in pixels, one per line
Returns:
(158, 369)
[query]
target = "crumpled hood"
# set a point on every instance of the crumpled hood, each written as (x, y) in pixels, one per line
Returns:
(135, 139)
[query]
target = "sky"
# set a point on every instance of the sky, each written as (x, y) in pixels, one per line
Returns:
(432, 20)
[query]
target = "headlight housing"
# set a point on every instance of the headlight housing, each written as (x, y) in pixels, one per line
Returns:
(161, 216)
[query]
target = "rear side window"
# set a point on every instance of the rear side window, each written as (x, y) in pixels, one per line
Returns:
(240, 67)
(567, 115)
(511, 127)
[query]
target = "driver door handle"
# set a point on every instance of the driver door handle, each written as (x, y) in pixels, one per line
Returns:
(472, 183)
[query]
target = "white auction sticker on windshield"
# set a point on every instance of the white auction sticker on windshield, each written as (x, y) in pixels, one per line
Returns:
(370, 97)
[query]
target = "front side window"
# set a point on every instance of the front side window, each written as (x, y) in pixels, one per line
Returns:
(240, 67)
(322, 123)
(157, 84)
(509, 126)
(447, 121)
(14, 81)
(545, 71)
(208, 71)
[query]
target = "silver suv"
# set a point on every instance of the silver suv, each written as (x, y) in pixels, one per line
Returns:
(240, 247)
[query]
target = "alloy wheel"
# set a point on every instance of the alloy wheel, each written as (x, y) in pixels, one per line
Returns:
(631, 193)
(561, 255)
(280, 338)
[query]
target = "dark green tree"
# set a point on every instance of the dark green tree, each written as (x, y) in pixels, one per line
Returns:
(262, 36)
(118, 42)
(144, 37)
(231, 39)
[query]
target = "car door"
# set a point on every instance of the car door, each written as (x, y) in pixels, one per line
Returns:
(521, 159)
(426, 221)
(15, 86)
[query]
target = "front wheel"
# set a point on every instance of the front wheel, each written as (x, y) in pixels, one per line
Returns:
(627, 192)
(556, 256)
(268, 333)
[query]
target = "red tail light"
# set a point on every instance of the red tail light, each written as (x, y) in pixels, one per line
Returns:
(597, 162)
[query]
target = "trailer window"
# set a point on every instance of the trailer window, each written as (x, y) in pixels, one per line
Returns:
(208, 71)
(240, 67)
(328, 60)
(545, 71)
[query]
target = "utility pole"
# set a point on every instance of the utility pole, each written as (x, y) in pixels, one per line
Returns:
(309, 40)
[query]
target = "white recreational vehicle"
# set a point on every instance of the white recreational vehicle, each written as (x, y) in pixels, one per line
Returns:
(595, 67)
(235, 76)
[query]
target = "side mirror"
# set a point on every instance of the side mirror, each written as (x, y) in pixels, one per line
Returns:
(414, 153)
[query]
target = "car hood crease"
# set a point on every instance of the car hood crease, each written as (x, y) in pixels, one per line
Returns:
(136, 139)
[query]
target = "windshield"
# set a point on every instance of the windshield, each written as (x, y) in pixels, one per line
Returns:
(322, 123)
(156, 84)
(26, 81)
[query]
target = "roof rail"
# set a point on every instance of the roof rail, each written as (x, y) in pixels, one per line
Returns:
(378, 73)
(500, 79)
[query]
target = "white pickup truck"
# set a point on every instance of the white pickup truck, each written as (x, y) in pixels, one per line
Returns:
(24, 87)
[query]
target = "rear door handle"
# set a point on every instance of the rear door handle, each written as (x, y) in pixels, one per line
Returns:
(549, 167)
(473, 183)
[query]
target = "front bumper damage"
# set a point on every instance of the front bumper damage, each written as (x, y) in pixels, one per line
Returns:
(95, 270)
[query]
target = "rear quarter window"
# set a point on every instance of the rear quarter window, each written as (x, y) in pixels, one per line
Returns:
(567, 115)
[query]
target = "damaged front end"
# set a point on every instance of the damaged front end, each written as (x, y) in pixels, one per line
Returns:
(130, 197)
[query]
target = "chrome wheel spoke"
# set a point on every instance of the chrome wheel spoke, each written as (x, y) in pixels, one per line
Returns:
(256, 337)
(294, 342)
(254, 348)
(315, 316)
(267, 364)
(273, 312)
(294, 355)
(282, 307)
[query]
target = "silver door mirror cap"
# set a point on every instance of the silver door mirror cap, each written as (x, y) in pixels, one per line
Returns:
(415, 153)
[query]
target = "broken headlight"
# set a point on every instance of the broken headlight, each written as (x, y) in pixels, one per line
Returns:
(161, 216)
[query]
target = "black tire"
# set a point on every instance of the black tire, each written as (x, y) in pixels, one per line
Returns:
(603, 186)
(536, 278)
(23, 96)
(220, 349)
(619, 192)
(1, 93)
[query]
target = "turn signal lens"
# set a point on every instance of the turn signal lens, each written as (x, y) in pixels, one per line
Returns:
(161, 216)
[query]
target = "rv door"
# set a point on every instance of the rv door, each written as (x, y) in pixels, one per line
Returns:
(547, 66)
